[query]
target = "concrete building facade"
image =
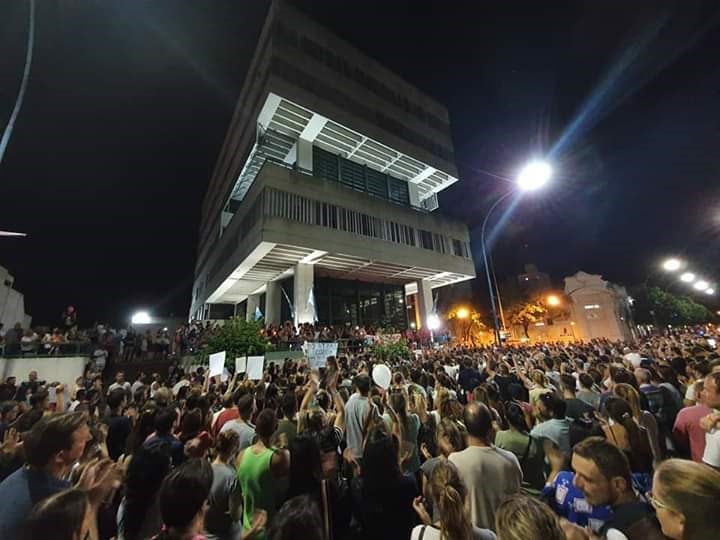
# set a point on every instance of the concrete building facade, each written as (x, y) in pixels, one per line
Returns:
(323, 202)
(12, 303)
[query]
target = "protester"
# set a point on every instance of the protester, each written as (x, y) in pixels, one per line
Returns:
(686, 496)
(183, 497)
(66, 515)
(523, 518)
(602, 472)
(490, 473)
(241, 425)
(527, 450)
(688, 434)
(297, 518)
(449, 496)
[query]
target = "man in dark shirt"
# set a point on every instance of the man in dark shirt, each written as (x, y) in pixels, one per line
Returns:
(576, 408)
(119, 426)
(602, 472)
(52, 446)
(164, 422)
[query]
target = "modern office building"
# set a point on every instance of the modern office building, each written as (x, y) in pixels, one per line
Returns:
(323, 202)
(12, 303)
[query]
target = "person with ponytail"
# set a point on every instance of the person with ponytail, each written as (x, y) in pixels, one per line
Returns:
(448, 494)
(623, 431)
(406, 426)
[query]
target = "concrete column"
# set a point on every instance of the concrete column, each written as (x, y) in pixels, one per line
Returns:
(253, 302)
(424, 301)
(272, 303)
(303, 283)
(305, 154)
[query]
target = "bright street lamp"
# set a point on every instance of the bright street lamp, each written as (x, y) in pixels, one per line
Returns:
(534, 175)
(552, 300)
(433, 322)
(709, 291)
(701, 285)
(141, 317)
(687, 277)
(463, 313)
(672, 265)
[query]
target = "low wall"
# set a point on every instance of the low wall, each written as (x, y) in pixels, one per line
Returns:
(49, 368)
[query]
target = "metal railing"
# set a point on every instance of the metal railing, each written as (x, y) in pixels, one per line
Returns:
(68, 348)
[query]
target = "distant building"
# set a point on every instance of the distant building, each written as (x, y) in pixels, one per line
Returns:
(321, 205)
(533, 282)
(12, 303)
(600, 309)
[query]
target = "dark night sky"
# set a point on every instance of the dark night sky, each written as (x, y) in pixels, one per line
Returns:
(129, 101)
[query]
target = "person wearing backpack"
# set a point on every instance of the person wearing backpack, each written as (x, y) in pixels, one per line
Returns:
(660, 403)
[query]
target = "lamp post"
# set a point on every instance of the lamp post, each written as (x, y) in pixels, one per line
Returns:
(533, 176)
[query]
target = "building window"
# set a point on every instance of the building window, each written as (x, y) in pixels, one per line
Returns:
(426, 240)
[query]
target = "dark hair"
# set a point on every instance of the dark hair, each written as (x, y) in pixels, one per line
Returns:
(38, 397)
(116, 398)
(146, 471)
(568, 383)
(183, 493)
(554, 404)
(265, 423)
(380, 462)
(299, 517)
(245, 405)
(640, 452)
(586, 381)
(478, 420)
(50, 435)
(516, 417)
(144, 426)
(226, 443)
(191, 425)
(608, 458)
(362, 382)
(305, 465)
(59, 517)
(288, 404)
(164, 420)
(399, 405)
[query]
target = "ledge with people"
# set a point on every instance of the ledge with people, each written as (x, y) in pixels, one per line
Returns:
(550, 441)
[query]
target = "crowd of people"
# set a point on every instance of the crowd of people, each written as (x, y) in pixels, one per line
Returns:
(551, 441)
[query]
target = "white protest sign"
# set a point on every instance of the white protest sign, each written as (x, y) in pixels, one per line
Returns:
(318, 353)
(225, 375)
(217, 363)
(241, 364)
(255, 366)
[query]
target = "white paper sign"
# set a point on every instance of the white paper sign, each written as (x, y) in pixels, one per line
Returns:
(255, 366)
(217, 363)
(318, 353)
(241, 364)
(225, 375)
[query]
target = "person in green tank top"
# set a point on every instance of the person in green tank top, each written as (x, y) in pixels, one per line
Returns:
(258, 468)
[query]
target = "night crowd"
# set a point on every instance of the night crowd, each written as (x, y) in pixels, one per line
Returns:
(552, 441)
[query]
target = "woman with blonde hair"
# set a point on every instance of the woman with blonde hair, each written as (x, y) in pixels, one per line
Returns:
(642, 418)
(521, 517)
(686, 498)
(449, 495)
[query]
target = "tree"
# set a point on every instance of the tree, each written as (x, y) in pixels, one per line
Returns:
(466, 326)
(527, 313)
(653, 305)
(391, 350)
(237, 337)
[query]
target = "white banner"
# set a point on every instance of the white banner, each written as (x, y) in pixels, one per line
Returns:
(241, 364)
(217, 363)
(255, 365)
(318, 353)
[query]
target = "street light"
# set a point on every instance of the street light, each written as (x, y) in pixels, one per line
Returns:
(701, 285)
(672, 265)
(709, 290)
(553, 300)
(532, 176)
(687, 277)
(141, 317)
(463, 313)
(433, 322)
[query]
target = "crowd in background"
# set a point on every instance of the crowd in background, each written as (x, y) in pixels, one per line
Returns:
(594, 440)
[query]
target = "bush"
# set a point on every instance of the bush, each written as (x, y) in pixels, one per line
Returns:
(237, 337)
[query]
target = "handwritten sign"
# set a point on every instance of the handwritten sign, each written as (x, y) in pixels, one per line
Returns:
(318, 353)
(217, 363)
(255, 366)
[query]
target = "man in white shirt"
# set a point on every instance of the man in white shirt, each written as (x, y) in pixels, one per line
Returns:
(120, 382)
(490, 473)
(711, 398)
